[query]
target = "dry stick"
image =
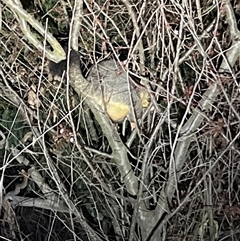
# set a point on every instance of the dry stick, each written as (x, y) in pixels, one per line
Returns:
(139, 44)
(76, 24)
(199, 13)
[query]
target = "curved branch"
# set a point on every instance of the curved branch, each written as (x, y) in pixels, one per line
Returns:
(57, 54)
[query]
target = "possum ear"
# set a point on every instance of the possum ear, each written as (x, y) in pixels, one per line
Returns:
(56, 70)
(75, 58)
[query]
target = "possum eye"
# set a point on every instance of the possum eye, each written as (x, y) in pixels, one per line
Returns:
(145, 103)
(145, 98)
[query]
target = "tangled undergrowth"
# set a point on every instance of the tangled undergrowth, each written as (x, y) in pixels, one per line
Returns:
(60, 176)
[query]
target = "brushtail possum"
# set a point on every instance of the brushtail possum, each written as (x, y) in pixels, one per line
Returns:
(108, 85)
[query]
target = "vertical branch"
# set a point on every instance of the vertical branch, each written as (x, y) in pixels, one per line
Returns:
(138, 34)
